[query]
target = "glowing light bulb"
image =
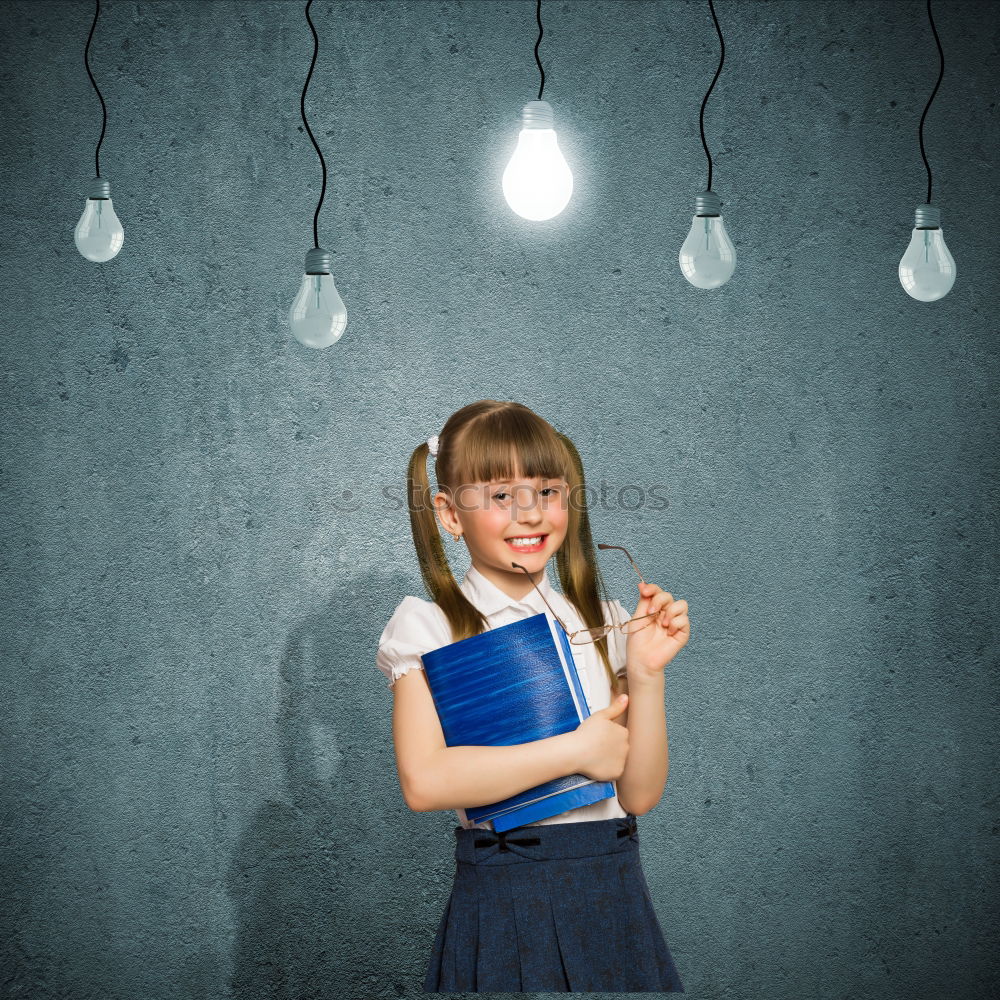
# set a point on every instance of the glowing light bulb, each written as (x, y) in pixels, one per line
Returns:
(708, 257)
(927, 269)
(99, 234)
(318, 316)
(537, 181)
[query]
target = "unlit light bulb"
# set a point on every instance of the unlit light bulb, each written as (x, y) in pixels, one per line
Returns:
(318, 316)
(708, 257)
(537, 182)
(927, 269)
(99, 234)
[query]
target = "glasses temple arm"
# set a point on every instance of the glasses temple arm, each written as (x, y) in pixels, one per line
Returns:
(539, 589)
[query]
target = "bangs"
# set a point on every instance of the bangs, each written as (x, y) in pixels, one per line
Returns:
(513, 444)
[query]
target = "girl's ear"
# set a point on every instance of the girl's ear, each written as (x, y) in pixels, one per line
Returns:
(445, 513)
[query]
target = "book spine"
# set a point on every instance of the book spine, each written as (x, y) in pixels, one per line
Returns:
(565, 650)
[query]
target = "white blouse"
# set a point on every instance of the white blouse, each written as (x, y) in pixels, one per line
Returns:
(418, 626)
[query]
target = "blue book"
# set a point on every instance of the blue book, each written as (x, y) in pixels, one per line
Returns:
(514, 684)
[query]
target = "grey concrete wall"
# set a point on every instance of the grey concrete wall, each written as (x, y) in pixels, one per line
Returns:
(199, 794)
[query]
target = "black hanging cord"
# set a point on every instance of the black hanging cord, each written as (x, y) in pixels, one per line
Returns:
(309, 130)
(538, 15)
(930, 18)
(701, 118)
(104, 110)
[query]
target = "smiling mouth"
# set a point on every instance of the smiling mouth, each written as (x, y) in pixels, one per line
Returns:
(531, 543)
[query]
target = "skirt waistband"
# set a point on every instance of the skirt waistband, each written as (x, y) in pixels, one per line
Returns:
(546, 841)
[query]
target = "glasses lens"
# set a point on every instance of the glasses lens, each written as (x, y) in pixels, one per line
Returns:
(590, 635)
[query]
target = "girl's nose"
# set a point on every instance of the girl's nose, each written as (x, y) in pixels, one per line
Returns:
(528, 503)
(530, 518)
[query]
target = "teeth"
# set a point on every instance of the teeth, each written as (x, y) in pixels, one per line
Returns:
(525, 542)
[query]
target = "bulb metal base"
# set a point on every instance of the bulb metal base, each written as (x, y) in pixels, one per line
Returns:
(707, 204)
(927, 217)
(100, 189)
(537, 114)
(318, 261)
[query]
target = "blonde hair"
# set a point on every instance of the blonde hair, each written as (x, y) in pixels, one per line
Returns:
(495, 440)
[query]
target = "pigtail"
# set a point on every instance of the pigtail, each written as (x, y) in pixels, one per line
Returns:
(465, 619)
(579, 574)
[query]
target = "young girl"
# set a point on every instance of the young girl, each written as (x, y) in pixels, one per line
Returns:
(561, 904)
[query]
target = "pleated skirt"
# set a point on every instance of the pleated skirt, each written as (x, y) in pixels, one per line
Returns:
(557, 908)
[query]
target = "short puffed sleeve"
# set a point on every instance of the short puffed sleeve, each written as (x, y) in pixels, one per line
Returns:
(615, 613)
(415, 628)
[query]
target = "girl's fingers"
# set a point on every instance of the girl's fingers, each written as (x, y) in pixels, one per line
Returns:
(648, 593)
(662, 615)
(659, 604)
(674, 608)
(661, 601)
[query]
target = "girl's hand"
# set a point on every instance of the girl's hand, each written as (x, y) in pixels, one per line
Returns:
(602, 744)
(649, 649)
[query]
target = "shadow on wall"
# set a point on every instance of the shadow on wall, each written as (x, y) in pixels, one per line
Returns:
(337, 887)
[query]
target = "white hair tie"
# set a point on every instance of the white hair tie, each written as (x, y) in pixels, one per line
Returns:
(433, 444)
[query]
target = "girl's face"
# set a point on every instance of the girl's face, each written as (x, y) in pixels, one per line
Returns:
(491, 515)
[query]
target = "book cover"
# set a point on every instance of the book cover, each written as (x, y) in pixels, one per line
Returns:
(514, 684)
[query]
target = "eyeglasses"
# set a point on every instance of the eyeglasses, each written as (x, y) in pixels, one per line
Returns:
(585, 635)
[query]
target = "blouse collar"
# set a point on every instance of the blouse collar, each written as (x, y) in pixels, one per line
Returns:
(490, 599)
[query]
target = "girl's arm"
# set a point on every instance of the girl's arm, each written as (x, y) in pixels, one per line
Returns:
(641, 784)
(435, 776)
(647, 653)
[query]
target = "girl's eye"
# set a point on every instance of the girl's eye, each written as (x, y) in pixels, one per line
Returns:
(548, 489)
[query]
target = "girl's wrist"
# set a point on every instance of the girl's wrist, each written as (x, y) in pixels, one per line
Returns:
(641, 676)
(570, 750)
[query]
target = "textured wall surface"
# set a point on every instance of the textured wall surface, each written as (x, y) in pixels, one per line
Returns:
(199, 791)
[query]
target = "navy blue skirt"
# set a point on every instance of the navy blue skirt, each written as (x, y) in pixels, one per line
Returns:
(557, 908)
